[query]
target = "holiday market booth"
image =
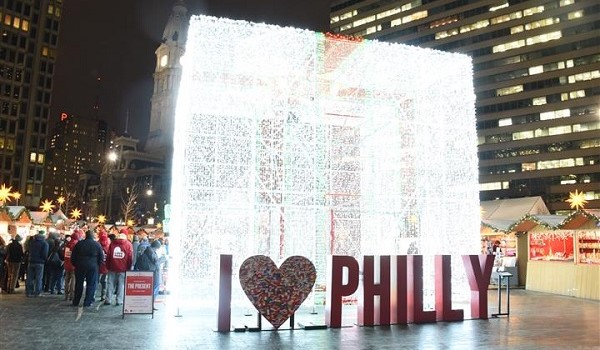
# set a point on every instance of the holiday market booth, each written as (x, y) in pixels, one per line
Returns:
(561, 254)
(501, 236)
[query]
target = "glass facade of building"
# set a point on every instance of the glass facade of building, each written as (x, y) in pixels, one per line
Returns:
(28, 43)
(537, 82)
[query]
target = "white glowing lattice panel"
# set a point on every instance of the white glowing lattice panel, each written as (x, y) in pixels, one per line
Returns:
(293, 142)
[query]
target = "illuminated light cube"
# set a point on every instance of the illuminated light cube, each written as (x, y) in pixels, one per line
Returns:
(290, 142)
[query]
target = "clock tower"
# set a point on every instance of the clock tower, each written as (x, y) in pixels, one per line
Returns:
(167, 75)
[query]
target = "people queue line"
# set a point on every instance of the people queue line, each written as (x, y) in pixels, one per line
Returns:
(62, 265)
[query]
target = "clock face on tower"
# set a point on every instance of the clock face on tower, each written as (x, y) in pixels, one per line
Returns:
(164, 59)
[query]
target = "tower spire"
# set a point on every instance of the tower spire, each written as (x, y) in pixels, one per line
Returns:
(127, 121)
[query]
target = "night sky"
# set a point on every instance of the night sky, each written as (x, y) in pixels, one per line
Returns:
(115, 40)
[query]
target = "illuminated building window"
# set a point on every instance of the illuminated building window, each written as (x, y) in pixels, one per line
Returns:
(541, 23)
(506, 18)
(505, 122)
(334, 19)
(57, 12)
(443, 21)
(533, 10)
(566, 2)
(522, 135)
(509, 90)
(498, 7)
(588, 143)
(559, 130)
(570, 64)
(576, 94)
(542, 38)
(363, 21)
(8, 20)
(586, 127)
(490, 186)
(50, 9)
(411, 5)
(538, 101)
(528, 167)
(373, 29)
(517, 29)
(25, 25)
(17, 22)
(44, 51)
(389, 13)
(508, 46)
(29, 189)
(445, 34)
(477, 25)
(584, 76)
(348, 15)
(396, 22)
(575, 15)
(536, 70)
(415, 16)
(346, 26)
(40, 158)
(563, 113)
(32, 157)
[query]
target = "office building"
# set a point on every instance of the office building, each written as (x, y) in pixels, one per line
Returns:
(536, 75)
(76, 147)
(28, 43)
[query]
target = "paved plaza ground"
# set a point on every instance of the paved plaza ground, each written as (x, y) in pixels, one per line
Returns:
(536, 321)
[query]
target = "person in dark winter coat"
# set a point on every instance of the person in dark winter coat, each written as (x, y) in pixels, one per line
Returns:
(55, 266)
(38, 253)
(3, 267)
(87, 256)
(14, 257)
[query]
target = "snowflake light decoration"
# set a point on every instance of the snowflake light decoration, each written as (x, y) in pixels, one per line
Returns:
(47, 206)
(5, 193)
(577, 200)
(290, 142)
(75, 214)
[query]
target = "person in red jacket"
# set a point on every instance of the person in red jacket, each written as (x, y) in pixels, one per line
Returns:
(103, 271)
(69, 268)
(119, 260)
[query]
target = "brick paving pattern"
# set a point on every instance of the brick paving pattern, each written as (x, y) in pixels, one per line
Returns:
(536, 321)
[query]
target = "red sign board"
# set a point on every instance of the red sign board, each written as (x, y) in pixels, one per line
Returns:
(139, 298)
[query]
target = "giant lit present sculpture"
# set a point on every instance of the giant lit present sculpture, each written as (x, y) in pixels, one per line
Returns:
(290, 142)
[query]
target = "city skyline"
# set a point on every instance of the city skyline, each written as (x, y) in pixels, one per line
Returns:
(121, 55)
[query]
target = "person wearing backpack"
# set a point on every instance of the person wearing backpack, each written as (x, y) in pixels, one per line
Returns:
(149, 261)
(54, 264)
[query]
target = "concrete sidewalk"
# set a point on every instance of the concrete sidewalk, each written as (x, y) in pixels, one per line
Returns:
(536, 321)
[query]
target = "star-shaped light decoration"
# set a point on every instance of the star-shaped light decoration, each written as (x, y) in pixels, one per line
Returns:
(47, 206)
(159, 226)
(60, 200)
(75, 214)
(576, 200)
(130, 223)
(101, 219)
(5, 193)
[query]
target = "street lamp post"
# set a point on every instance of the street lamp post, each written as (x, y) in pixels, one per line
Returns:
(112, 159)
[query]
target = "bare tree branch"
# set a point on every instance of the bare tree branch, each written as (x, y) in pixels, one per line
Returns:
(129, 200)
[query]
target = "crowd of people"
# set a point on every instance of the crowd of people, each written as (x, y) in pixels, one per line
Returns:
(63, 263)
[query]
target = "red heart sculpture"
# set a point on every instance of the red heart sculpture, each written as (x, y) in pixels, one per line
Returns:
(277, 292)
